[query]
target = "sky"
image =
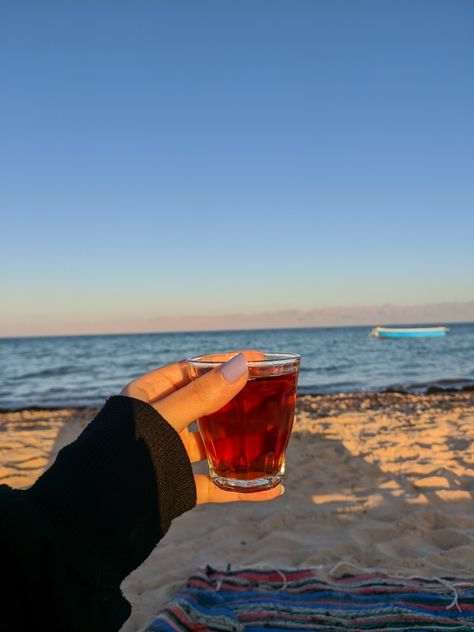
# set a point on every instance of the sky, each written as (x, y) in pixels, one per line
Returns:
(169, 158)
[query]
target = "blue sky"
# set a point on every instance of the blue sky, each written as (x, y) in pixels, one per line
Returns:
(183, 157)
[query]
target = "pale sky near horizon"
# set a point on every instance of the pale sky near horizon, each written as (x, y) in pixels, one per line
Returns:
(212, 157)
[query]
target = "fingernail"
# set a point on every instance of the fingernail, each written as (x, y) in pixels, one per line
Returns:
(282, 490)
(234, 368)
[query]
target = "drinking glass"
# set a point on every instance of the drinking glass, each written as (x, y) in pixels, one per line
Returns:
(246, 439)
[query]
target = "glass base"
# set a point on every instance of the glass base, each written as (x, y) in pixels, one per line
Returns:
(247, 485)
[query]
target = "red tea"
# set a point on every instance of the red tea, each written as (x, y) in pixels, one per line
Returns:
(247, 438)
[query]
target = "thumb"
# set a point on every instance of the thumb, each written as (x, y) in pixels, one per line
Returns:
(205, 394)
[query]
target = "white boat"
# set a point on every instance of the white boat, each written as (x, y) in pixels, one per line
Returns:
(408, 332)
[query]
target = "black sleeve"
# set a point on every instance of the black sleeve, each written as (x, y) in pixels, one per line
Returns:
(67, 543)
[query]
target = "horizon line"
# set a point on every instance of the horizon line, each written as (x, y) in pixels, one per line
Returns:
(228, 330)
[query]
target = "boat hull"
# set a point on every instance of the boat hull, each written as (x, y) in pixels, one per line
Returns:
(381, 332)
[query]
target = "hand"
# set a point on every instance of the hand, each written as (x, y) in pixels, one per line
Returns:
(181, 401)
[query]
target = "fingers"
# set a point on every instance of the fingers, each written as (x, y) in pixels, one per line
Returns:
(205, 394)
(252, 354)
(158, 383)
(207, 492)
(194, 446)
(162, 382)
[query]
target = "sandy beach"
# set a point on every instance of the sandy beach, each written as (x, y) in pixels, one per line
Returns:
(374, 481)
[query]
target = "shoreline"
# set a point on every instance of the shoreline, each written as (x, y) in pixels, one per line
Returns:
(31, 437)
(431, 392)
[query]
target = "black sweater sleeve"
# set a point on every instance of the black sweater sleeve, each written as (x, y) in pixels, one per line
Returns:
(67, 543)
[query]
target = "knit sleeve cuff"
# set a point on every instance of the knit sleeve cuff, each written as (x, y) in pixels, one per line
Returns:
(174, 475)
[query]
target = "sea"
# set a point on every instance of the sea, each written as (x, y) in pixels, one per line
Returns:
(76, 371)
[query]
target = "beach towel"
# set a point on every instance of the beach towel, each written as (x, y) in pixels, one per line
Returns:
(254, 600)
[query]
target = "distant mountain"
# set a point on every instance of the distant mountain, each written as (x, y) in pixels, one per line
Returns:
(436, 313)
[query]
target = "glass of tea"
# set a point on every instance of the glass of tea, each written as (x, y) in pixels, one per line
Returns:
(246, 439)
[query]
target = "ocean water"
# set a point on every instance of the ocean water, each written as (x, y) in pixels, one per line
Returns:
(84, 370)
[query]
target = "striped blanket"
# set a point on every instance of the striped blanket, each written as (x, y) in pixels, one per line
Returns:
(257, 600)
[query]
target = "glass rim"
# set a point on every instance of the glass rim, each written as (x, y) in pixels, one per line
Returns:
(274, 359)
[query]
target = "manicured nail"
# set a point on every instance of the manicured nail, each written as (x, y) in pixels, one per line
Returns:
(234, 368)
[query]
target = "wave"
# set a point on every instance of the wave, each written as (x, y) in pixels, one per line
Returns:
(56, 372)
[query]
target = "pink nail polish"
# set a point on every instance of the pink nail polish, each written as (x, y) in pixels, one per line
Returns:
(234, 368)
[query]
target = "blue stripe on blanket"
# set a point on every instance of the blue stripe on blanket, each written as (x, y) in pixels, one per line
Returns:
(258, 600)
